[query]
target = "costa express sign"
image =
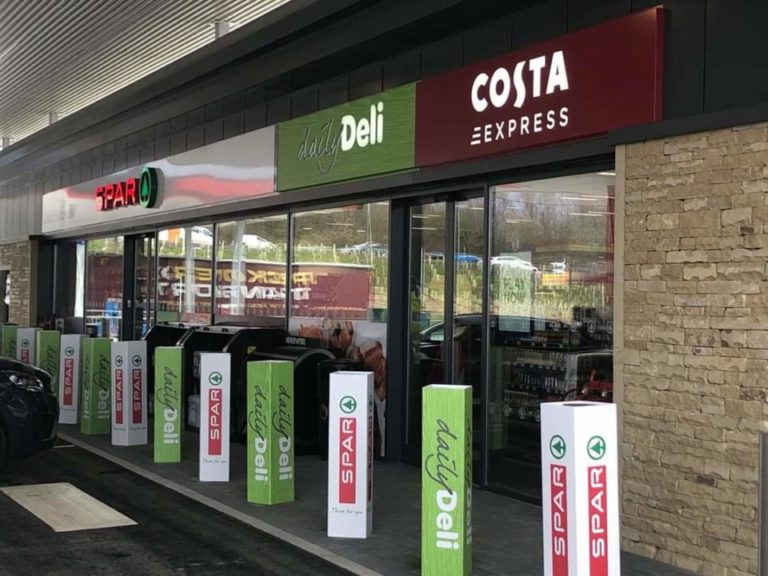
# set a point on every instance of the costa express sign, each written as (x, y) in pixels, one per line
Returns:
(130, 192)
(575, 86)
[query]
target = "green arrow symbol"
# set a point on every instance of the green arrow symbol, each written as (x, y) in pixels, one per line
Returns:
(215, 378)
(557, 446)
(596, 447)
(348, 404)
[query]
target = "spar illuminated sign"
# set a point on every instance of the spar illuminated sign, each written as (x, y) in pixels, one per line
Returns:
(140, 191)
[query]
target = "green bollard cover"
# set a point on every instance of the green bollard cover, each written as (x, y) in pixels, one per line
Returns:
(446, 480)
(270, 432)
(96, 417)
(169, 415)
(9, 340)
(47, 351)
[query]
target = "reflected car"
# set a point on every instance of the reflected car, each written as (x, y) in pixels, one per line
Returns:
(256, 241)
(366, 247)
(29, 411)
(514, 262)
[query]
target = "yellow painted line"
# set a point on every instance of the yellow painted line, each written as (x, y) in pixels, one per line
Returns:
(66, 508)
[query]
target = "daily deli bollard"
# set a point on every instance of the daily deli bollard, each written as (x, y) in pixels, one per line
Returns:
(580, 490)
(26, 338)
(96, 411)
(169, 418)
(69, 378)
(446, 480)
(350, 455)
(48, 349)
(214, 416)
(129, 393)
(9, 332)
(270, 432)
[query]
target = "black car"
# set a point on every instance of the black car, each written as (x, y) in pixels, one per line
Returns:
(29, 411)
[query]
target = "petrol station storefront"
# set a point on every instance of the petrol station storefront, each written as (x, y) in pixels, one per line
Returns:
(388, 235)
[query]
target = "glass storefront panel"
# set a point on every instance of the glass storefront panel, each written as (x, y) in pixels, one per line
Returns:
(551, 308)
(185, 274)
(104, 287)
(339, 283)
(427, 279)
(251, 264)
(69, 285)
(144, 287)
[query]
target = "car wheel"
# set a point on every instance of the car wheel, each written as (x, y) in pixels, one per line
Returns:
(3, 447)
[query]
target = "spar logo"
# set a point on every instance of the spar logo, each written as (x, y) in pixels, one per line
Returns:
(215, 402)
(598, 521)
(138, 384)
(25, 350)
(69, 376)
(558, 478)
(347, 460)
(530, 80)
(130, 192)
(119, 391)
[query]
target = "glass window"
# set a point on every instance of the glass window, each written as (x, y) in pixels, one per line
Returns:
(551, 272)
(104, 288)
(69, 292)
(251, 264)
(339, 279)
(185, 274)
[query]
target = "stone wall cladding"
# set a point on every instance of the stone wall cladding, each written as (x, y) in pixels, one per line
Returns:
(695, 365)
(17, 257)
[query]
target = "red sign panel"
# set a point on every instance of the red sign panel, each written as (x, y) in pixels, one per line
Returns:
(598, 522)
(25, 355)
(214, 421)
(137, 411)
(119, 396)
(559, 495)
(582, 84)
(347, 460)
(69, 373)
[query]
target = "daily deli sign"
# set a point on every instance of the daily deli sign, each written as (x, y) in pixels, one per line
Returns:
(579, 85)
(131, 192)
(368, 136)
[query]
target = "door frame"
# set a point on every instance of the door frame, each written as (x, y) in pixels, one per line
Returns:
(399, 323)
(130, 273)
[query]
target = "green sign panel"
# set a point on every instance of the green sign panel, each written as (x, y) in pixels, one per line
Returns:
(369, 136)
(47, 351)
(446, 480)
(9, 340)
(168, 403)
(96, 417)
(270, 432)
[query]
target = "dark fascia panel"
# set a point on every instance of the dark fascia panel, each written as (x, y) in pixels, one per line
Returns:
(294, 41)
(691, 124)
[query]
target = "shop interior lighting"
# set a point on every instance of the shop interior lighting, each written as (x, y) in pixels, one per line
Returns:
(585, 214)
(345, 224)
(606, 173)
(424, 228)
(580, 198)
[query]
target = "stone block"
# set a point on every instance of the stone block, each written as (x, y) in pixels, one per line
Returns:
(699, 271)
(662, 222)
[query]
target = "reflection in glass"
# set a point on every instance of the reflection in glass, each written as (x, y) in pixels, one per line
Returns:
(69, 293)
(427, 248)
(185, 274)
(104, 288)
(339, 280)
(251, 262)
(144, 299)
(551, 308)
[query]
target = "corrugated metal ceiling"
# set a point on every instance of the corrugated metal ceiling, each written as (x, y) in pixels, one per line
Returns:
(62, 55)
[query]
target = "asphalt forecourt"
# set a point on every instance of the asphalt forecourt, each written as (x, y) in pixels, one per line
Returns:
(127, 524)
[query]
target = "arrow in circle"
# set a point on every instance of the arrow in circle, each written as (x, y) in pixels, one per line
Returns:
(597, 447)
